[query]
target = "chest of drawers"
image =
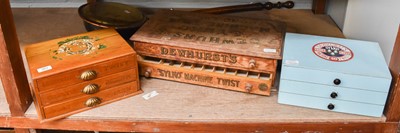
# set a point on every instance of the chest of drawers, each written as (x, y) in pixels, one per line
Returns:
(232, 53)
(334, 74)
(80, 72)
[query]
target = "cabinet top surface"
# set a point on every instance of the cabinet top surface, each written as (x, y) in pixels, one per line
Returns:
(236, 35)
(62, 54)
(335, 54)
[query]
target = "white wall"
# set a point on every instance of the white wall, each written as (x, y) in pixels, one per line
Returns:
(46, 3)
(373, 20)
(337, 10)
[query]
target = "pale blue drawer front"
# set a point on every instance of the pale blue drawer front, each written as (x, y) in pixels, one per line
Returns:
(324, 91)
(322, 103)
(326, 77)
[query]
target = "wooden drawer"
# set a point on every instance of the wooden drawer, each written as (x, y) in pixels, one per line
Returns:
(72, 77)
(338, 105)
(229, 79)
(221, 59)
(221, 41)
(69, 107)
(70, 92)
(351, 75)
(327, 78)
(67, 71)
(333, 92)
(216, 33)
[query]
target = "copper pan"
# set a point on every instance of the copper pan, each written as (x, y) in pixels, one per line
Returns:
(126, 19)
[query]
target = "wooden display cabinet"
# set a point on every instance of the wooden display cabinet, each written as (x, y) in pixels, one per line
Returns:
(189, 108)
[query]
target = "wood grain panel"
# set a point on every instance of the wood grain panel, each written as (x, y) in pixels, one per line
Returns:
(393, 102)
(187, 126)
(13, 75)
(218, 33)
(12, 72)
(72, 77)
(62, 56)
(58, 68)
(72, 91)
(73, 106)
(319, 6)
(92, 1)
(219, 79)
(205, 57)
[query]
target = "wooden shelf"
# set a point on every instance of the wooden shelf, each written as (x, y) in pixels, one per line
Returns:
(4, 109)
(185, 103)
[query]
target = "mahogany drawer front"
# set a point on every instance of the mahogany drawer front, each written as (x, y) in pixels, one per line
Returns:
(205, 57)
(101, 84)
(331, 104)
(333, 92)
(72, 77)
(75, 105)
(328, 77)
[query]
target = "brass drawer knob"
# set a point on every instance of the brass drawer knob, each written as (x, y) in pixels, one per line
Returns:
(91, 89)
(88, 75)
(252, 63)
(147, 73)
(91, 102)
(263, 87)
(248, 87)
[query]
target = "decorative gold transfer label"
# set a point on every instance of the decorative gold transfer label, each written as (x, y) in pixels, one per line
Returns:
(79, 45)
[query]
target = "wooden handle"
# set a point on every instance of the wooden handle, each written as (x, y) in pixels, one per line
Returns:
(279, 5)
(248, 7)
(230, 9)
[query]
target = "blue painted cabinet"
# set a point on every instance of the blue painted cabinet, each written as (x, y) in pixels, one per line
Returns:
(334, 74)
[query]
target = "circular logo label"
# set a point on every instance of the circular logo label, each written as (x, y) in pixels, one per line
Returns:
(332, 51)
(79, 45)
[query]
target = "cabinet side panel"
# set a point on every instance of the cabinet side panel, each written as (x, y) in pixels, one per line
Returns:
(12, 69)
(393, 103)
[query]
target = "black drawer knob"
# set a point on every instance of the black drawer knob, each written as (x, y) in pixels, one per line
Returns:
(336, 81)
(334, 95)
(331, 106)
